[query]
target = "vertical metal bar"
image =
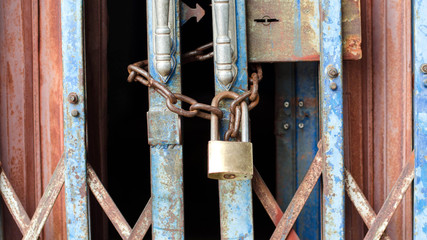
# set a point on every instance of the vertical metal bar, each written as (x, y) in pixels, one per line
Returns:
(236, 196)
(419, 15)
(285, 133)
(76, 196)
(164, 128)
(331, 111)
(307, 134)
(297, 130)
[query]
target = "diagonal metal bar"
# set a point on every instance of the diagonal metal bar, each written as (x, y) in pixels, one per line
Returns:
(113, 213)
(46, 202)
(107, 203)
(392, 202)
(295, 206)
(13, 204)
(270, 204)
(143, 224)
(360, 202)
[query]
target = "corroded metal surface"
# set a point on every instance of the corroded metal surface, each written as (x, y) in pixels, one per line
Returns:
(114, 214)
(110, 208)
(304, 190)
(32, 229)
(76, 195)
(269, 203)
(296, 33)
(143, 224)
(31, 105)
(13, 204)
(46, 202)
(392, 202)
(165, 140)
(420, 118)
(360, 202)
(332, 120)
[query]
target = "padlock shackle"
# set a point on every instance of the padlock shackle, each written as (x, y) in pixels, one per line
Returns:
(215, 121)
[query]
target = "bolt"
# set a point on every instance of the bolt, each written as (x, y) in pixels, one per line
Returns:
(286, 126)
(229, 176)
(333, 86)
(73, 98)
(75, 113)
(301, 104)
(301, 125)
(332, 72)
(286, 104)
(424, 68)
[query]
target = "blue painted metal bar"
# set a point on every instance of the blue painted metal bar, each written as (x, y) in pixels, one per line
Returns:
(297, 133)
(285, 128)
(331, 114)
(76, 196)
(419, 15)
(236, 196)
(164, 137)
(307, 136)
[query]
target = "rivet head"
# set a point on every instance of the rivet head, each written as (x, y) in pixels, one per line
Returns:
(73, 98)
(333, 86)
(301, 125)
(301, 104)
(423, 68)
(286, 104)
(333, 72)
(229, 176)
(75, 113)
(286, 126)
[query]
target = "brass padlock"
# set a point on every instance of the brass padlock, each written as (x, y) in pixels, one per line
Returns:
(230, 160)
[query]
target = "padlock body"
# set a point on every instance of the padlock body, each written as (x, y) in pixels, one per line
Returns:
(230, 160)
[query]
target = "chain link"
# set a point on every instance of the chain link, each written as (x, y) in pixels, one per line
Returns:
(138, 72)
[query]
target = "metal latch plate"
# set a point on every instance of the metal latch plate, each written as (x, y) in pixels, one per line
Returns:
(289, 30)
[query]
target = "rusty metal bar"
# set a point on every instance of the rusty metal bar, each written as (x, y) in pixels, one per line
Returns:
(419, 17)
(143, 224)
(293, 210)
(74, 98)
(164, 127)
(107, 204)
(391, 203)
(46, 202)
(360, 202)
(13, 204)
(269, 203)
(110, 208)
(332, 121)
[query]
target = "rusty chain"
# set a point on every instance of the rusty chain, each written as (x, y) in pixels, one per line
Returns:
(138, 72)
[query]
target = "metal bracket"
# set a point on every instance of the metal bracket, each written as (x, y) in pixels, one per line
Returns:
(224, 31)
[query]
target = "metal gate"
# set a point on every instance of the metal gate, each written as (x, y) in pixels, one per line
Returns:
(296, 101)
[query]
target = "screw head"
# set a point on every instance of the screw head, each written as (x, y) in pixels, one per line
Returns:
(301, 104)
(286, 126)
(333, 86)
(229, 176)
(333, 72)
(423, 68)
(73, 98)
(286, 104)
(75, 113)
(301, 125)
